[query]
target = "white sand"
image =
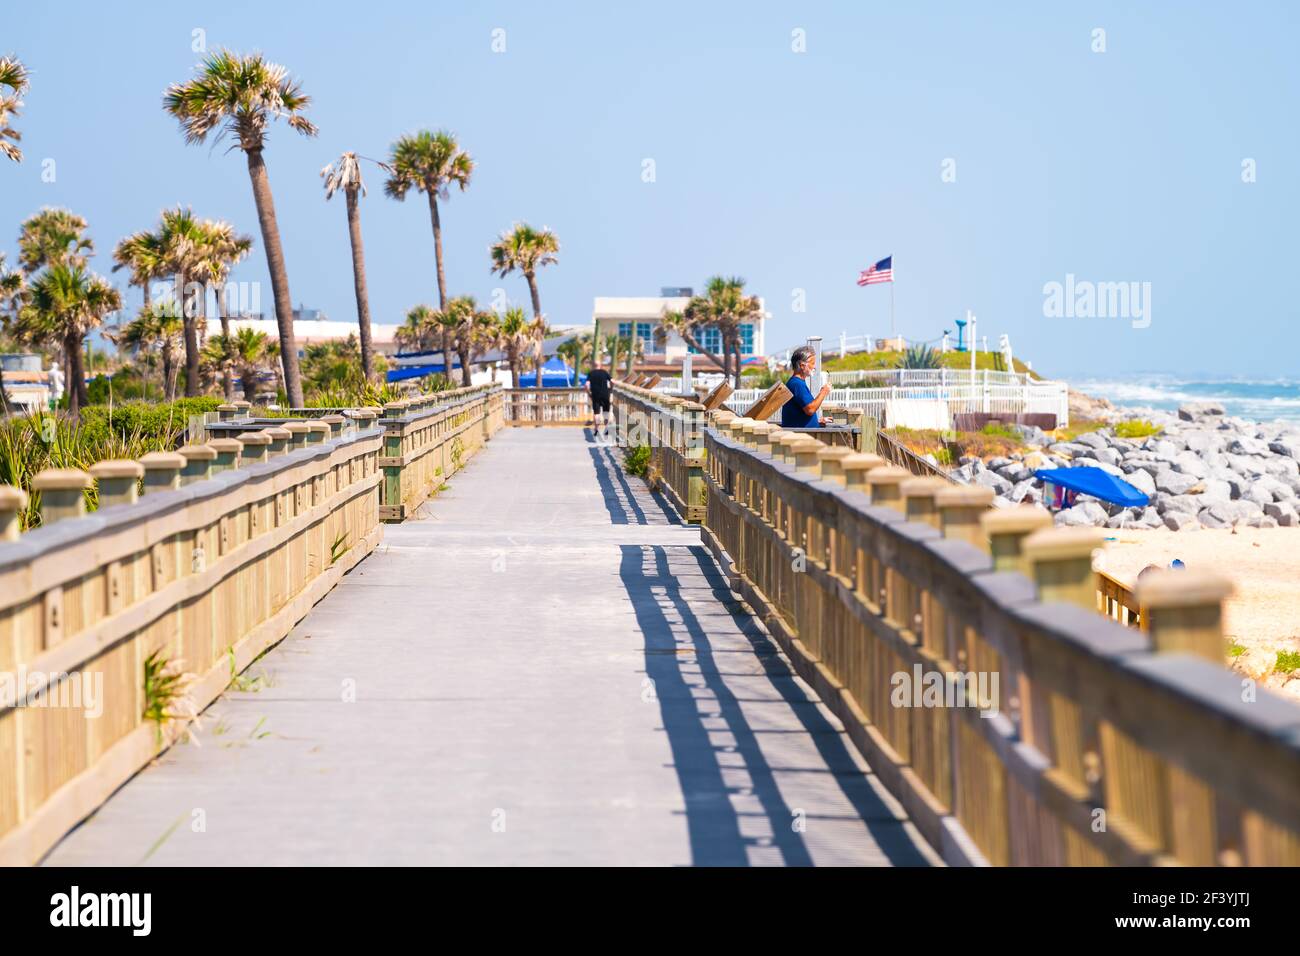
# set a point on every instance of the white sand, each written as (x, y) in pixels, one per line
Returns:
(1263, 615)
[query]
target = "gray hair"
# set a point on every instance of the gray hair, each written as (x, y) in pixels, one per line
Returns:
(799, 355)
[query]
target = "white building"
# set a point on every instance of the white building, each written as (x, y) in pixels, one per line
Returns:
(642, 317)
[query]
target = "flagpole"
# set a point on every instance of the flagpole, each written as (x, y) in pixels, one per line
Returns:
(892, 331)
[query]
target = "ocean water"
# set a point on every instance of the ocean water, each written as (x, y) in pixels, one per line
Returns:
(1261, 400)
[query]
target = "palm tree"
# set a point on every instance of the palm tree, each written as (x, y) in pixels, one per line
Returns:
(250, 350)
(53, 236)
(346, 175)
(418, 334)
(448, 323)
(159, 327)
(513, 335)
(221, 250)
(183, 239)
(14, 78)
(484, 336)
(526, 249)
(63, 303)
(537, 337)
(142, 253)
(466, 322)
(12, 284)
(430, 163)
(241, 95)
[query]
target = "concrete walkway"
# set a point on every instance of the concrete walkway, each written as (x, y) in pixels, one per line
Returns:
(545, 668)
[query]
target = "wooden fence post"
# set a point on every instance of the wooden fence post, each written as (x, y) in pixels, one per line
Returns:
(162, 471)
(254, 450)
(1182, 610)
(960, 511)
(1061, 562)
(884, 484)
(1007, 529)
(227, 450)
(117, 481)
(63, 493)
(198, 463)
(12, 502)
(918, 496)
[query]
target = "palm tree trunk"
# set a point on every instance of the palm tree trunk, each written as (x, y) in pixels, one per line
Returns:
(359, 279)
(446, 357)
(279, 275)
(463, 352)
(437, 251)
(77, 393)
(227, 366)
(168, 370)
(191, 325)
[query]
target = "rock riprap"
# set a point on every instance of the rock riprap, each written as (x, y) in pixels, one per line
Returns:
(1205, 469)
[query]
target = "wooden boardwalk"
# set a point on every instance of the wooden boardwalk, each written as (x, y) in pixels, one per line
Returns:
(544, 667)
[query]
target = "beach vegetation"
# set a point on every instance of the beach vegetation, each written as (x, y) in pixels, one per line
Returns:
(1136, 428)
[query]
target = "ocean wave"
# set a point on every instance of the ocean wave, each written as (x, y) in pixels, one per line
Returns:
(1245, 398)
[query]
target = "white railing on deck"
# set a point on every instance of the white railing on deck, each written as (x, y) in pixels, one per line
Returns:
(1035, 397)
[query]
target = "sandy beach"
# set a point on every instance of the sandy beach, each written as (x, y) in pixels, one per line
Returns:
(1263, 615)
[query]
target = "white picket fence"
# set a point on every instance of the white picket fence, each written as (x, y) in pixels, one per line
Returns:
(991, 397)
(884, 378)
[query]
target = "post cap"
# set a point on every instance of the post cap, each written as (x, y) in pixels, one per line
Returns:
(1174, 587)
(1063, 543)
(888, 475)
(61, 479)
(225, 445)
(12, 499)
(318, 426)
(296, 428)
(228, 407)
(964, 496)
(862, 461)
(255, 438)
(197, 452)
(834, 452)
(117, 468)
(162, 461)
(1016, 520)
(925, 486)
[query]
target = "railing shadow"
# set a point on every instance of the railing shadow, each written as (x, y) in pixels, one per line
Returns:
(713, 823)
(618, 495)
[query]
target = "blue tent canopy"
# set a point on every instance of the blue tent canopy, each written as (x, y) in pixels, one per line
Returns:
(1094, 481)
(555, 374)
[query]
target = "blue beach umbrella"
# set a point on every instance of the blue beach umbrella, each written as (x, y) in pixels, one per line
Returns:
(1087, 480)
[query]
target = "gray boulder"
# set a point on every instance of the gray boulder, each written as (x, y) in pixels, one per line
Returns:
(1225, 514)
(1086, 514)
(1187, 503)
(1142, 481)
(1150, 518)
(1181, 521)
(1174, 482)
(991, 479)
(1094, 463)
(1261, 521)
(1190, 463)
(1092, 440)
(1283, 512)
(1258, 494)
(1215, 489)
(1288, 447)
(1025, 491)
(1194, 411)
(1245, 445)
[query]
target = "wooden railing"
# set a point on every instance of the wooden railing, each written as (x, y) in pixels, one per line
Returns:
(428, 439)
(233, 542)
(1116, 600)
(547, 407)
(1087, 742)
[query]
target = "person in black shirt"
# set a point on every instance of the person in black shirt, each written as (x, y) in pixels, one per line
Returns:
(598, 381)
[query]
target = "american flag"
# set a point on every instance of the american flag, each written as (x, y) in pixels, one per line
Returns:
(882, 271)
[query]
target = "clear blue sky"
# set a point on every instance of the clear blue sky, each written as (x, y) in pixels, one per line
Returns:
(792, 170)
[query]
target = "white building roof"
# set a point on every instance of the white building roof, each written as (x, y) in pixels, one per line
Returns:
(307, 331)
(635, 307)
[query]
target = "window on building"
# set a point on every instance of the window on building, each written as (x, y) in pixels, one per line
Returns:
(747, 338)
(710, 339)
(644, 332)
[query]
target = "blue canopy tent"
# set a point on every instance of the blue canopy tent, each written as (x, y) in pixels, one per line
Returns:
(1087, 480)
(555, 374)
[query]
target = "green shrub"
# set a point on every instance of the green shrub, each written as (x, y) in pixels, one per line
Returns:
(1287, 661)
(145, 420)
(636, 460)
(1136, 428)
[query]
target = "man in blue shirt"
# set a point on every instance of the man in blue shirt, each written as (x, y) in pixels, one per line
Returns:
(801, 410)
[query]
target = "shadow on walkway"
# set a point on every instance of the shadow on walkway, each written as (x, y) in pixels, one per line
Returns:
(713, 822)
(619, 497)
